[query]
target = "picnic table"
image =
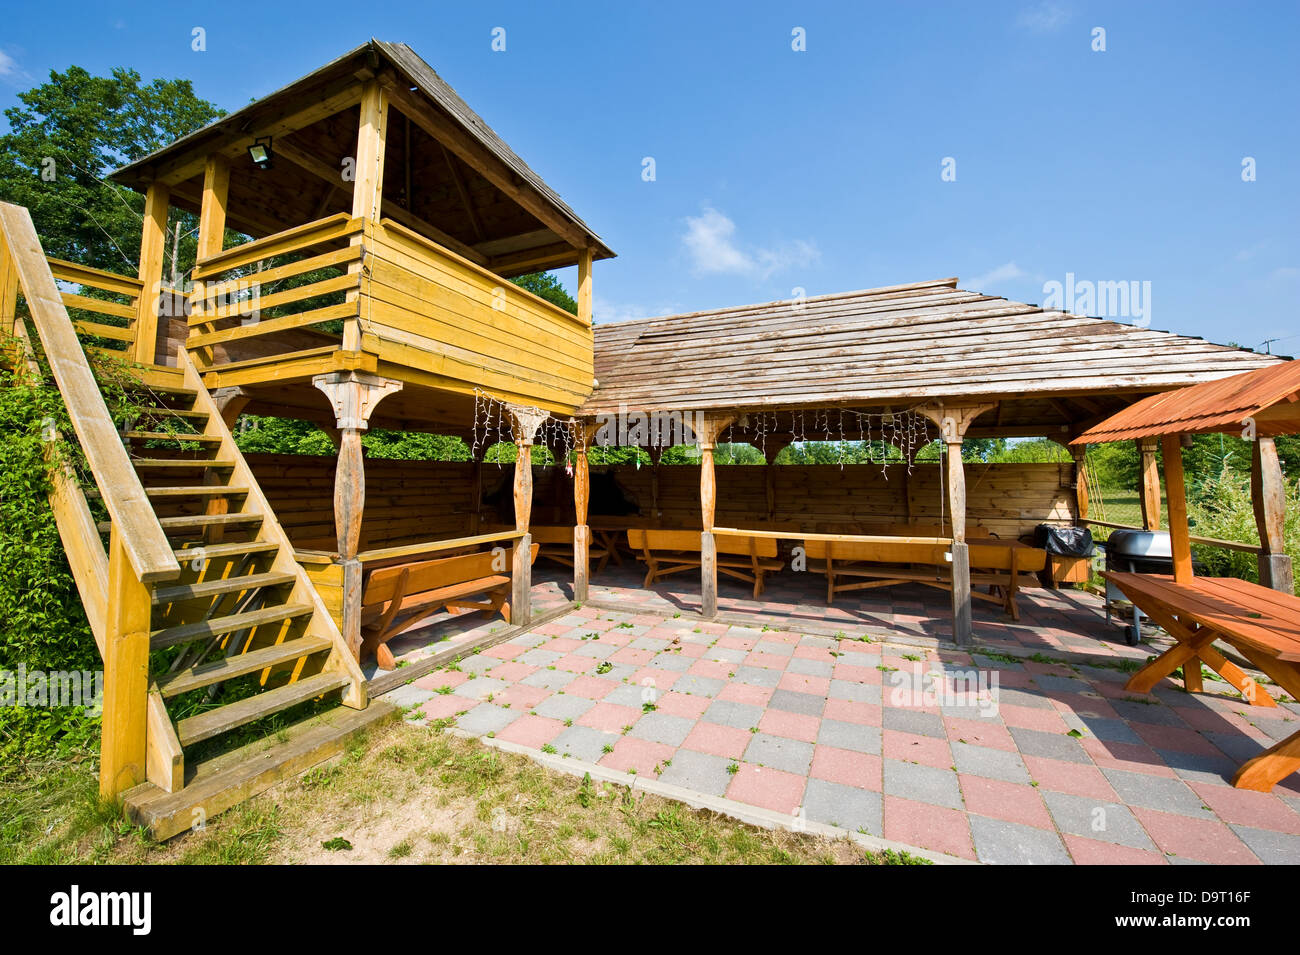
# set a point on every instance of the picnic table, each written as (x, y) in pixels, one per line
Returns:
(1261, 624)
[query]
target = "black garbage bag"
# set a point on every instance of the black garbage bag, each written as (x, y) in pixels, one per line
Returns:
(1064, 541)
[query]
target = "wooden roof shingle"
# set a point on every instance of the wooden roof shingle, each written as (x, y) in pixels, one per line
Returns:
(891, 345)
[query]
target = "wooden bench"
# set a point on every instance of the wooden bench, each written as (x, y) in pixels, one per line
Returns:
(994, 564)
(396, 598)
(556, 543)
(667, 552)
(1263, 625)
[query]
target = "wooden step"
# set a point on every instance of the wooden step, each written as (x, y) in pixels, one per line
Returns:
(195, 522)
(215, 588)
(171, 436)
(202, 490)
(181, 463)
(161, 412)
(205, 629)
(187, 555)
(158, 388)
(227, 668)
(215, 785)
(195, 729)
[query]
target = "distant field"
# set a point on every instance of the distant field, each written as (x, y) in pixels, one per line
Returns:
(1121, 506)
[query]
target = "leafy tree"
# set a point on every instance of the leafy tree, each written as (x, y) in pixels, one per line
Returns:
(68, 134)
(547, 286)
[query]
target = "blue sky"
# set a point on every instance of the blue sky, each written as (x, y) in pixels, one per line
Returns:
(820, 170)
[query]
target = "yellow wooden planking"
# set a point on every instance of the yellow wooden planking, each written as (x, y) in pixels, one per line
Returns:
(66, 271)
(338, 283)
(281, 243)
(115, 332)
(272, 325)
(323, 261)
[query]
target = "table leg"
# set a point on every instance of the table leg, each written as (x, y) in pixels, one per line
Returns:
(1261, 773)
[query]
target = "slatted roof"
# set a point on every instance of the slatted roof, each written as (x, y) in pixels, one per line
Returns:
(892, 345)
(1267, 397)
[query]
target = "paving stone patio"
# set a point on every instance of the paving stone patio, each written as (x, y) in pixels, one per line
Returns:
(1048, 763)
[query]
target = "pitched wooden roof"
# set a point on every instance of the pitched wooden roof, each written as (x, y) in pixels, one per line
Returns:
(902, 343)
(331, 89)
(1269, 397)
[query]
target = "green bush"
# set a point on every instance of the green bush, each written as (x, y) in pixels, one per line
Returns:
(1221, 508)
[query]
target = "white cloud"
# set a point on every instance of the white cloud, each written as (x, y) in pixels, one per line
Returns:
(710, 240)
(604, 310)
(8, 66)
(1285, 274)
(1003, 273)
(1046, 17)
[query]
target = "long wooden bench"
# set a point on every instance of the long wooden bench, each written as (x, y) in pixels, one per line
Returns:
(396, 598)
(667, 552)
(556, 543)
(997, 565)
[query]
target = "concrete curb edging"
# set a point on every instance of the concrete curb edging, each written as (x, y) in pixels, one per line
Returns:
(751, 815)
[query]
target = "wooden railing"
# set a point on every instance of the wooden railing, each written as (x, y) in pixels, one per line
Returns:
(114, 586)
(290, 281)
(110, 321)
(1203, 541)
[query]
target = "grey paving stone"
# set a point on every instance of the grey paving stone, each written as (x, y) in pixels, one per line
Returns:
(855, 692)
(970, 712)
(917, 722)
(937, 787)
(1096, 819)
(851, 736)
(820, 643)
(407, 696)
(775, 647)
(989, 763)
(1104, 728)
(1235, 745)
(857, 810)
(486, 718)
(539, 657)
(758, 676)
(563, 706)
(698, 771)
(1157, 792)
(481, 688)
(1009, 843)
(632, 694)
(529, 640)
(584, 743)
(1199, 767)
(696, 685)
(1015, 696)
(988, 663)
(804, 667)
(725, 655)
(1156, 713)
(741, 716)
(1049, 745)
(792, 702)
(550, 679)
(595, 649)
(478, 664)
(652, 644)
(672, 661)
(777, 752)
(1061, 684)
(1273, 848)
(662, 728)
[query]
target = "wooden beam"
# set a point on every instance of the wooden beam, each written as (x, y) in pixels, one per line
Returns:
(711, 426)
(1149, 492)
(1268, 497)
(479, 158)
(152, 249)
(1180, 543)
(465, 199)
(212, 211)
(1080, 483)
(582, 434)
(584, 286)
(123, 760)
(524, 424)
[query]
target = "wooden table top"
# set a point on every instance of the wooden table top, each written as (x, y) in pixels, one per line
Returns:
(1266, 619)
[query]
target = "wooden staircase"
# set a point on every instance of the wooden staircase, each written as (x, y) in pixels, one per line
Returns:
(215, 642)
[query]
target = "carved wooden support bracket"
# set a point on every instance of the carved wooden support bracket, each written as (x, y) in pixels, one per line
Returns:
(353, 396)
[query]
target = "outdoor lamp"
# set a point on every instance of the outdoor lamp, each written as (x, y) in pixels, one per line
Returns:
(260, 152)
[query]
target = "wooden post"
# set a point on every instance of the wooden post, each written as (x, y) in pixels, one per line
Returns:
(212, 211)
(353, 396)
(584, 285)
(368, 186)
(953, 422)
(152, 245)
(124, 741)
(1079, 454)
(1180, 543)
(1149, 493)
(524, 423)
(773, 448)
(1268, 495)
(710, 426)
(581, 499)
(8, 289)
(476, 495)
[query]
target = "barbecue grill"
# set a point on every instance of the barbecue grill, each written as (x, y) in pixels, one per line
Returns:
(1136, 552)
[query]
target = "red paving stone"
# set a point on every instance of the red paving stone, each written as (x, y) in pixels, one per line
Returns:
(1091, 852)
(1075, 779)
(999, 799)
(521, 696)
(861, 770)
(445, 707)
(609, 717)
(850, 711)
(716, 740)
(767, 788)
(638, 754)
(929, 827)
(683, 705)
(744, 693)
(912, 748)
(534, 731)
(988, 733)
(590, 687)
(800, 683)
(511, 671)
(790, 725)
(1247, 808)
(1205, 840)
